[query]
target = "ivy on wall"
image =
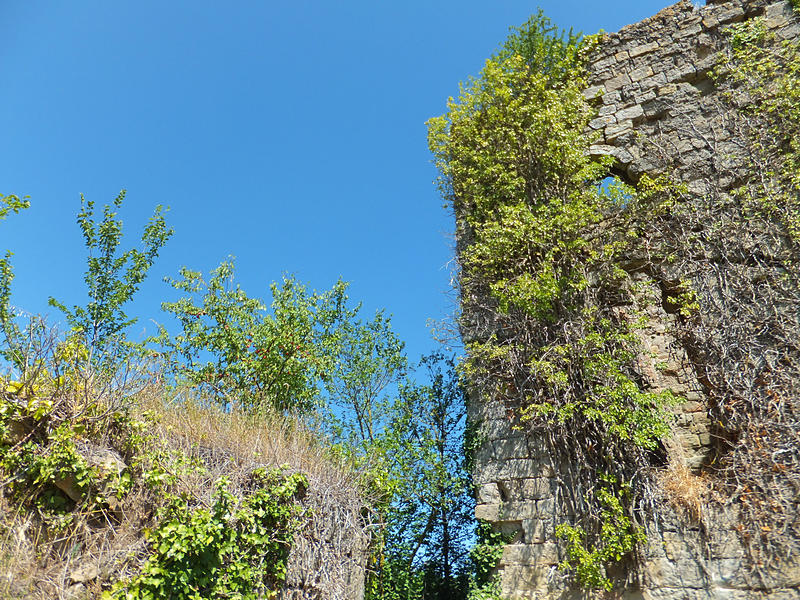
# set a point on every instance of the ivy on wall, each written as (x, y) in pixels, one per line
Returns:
(542, 242)
(547, 242)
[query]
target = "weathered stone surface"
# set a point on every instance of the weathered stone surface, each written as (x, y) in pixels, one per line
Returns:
(104, 460)
(84, 573)
(651, 87)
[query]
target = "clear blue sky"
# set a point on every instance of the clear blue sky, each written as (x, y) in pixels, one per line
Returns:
(288, 134)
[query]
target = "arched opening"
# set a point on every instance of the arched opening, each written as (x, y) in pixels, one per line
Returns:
(617, 189)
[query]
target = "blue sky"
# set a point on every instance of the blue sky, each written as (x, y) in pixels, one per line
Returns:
(290, 135)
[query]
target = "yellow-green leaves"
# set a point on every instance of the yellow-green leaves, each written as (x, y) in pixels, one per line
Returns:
(12, 203)
(228, 550)
(618, 537)
(543, 239)
(763, 73)
(8, 329)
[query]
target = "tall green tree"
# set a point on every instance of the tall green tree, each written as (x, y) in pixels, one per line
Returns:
(112, 277)
(370, 361)
(428, 513)
(248, 355)
(8, 204)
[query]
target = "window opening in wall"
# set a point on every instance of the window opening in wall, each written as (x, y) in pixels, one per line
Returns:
(618, 190)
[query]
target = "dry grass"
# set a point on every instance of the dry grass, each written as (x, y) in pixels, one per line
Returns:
(685, 490)
(327, 559)
(329, 554)
(227, 441)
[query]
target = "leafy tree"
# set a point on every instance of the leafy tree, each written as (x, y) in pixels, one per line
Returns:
(111, 278)
(369, 360)
(233, 347)
(545, 49)
(428, 514)
(8, 204)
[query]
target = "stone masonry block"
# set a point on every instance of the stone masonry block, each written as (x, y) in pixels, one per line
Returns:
(611, 98)
(645, 97)
(632, 112)
(530, 554)
(614, 131)
(523, 581)
(605, 62)
(641, 73)
(518, 511)
(688, 32)
(546, 506)
(484, 455)
(679, 574)
(603, 121)
(643, 49)
(496, 429)
(607, 109)
(487, 512)
(536, 488)
(538, 531)
(519, 468)
(488, 493)
(516, 447)
(593, 92)
(658, 79)
(617, 82)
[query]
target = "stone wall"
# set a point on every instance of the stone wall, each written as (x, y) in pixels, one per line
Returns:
(657, 107)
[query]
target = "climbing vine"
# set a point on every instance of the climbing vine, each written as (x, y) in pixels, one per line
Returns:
(542, 250)
(762, 73)
(740, 252)
(485, 584)
(618, 536)
(231, 549)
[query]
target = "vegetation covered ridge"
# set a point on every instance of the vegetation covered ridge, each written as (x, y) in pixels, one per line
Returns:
(247, 450)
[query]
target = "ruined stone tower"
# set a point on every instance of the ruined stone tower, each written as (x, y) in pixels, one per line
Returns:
(658, 108)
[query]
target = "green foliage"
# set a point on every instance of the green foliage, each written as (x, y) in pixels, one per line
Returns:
(233, 348)
(544, 48)
(416, 464)
(39, 451)
(369, 359)
(224, 551)
(428, 512)
(614, 400)
(544, 241)
(312, 351)
(111, 278)
(618, 537)
(747, 36)
(484, 556)
(234, 548)
(764, 72)
(686, 300)
(12, 203)
(8, 204)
